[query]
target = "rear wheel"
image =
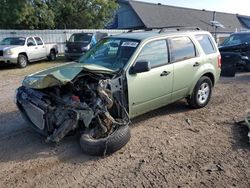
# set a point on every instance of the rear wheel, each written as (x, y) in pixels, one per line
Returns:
(102, 146)
(22, 61)
(201, 94)
(52, 55)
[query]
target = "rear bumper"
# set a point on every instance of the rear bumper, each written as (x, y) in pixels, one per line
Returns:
(8, 59)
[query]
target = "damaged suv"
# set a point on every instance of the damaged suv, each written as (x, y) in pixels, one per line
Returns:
(121, 77)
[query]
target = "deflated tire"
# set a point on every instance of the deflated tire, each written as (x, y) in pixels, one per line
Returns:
(103, 146)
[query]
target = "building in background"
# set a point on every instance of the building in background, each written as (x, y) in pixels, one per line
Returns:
(139, 15)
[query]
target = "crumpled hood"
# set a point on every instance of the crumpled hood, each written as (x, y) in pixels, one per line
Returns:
(60, 75)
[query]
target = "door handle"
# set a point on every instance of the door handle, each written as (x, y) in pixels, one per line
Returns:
(35, 47)
(196, 64)
(165, 73)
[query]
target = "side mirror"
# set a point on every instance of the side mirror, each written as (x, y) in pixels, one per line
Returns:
(140, 66)
(30, 44)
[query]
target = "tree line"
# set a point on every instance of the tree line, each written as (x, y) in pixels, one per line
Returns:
(56, 14)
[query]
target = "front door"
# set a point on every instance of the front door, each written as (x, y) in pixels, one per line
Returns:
(152, 89)
(31, 49)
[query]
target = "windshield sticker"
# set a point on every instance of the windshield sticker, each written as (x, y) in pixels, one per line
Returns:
(130, 44)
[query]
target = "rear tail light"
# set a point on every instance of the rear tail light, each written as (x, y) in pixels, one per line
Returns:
(219, 61)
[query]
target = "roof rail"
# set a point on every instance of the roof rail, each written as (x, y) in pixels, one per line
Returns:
(178, 28)
(141, 29)
(163, 29)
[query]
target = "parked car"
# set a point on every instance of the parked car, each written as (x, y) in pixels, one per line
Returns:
(80, 43)
(22, 50)
(235, 53)
(120, 78)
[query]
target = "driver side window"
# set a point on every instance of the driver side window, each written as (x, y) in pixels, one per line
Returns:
(155, 52)
(31, 42)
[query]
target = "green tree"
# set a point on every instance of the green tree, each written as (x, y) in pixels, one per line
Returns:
(26, 14)
(60, 14)
(10, 12)
(78, 14)
(36, 14)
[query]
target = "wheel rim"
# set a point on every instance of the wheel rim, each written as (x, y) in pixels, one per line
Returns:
(52, 56)
(23, 61)
(203, 93)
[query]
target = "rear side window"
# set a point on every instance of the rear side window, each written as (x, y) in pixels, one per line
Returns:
(206, 43)
(38, 41)
(182, 48)
(155, 52)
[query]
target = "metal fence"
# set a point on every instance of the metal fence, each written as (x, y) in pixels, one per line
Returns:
(53, 36)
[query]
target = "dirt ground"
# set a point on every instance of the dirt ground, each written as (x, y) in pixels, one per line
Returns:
(171, 147)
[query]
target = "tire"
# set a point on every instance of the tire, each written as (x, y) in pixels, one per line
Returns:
(22, 61)
(107, 145)
(201, 94)
(52, 55)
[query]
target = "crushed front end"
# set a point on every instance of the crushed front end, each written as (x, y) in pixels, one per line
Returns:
(89, 101)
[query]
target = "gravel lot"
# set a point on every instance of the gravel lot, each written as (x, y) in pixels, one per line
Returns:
(171, 147)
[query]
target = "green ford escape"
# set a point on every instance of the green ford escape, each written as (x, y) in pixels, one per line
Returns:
(121, 77)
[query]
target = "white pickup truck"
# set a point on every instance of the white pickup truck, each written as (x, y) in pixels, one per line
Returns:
(22, 50)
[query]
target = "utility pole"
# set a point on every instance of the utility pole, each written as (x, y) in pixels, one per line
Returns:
(214, 26)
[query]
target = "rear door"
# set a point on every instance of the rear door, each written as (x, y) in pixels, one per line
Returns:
(186, 62)
(151, 90)
(41, 49)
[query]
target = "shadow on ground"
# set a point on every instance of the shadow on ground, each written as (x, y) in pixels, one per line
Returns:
(241, 140)
(24, 144)
(175, 108)
(19, 142)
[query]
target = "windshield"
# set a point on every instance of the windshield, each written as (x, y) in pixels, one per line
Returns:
(111, 53)
(237, 39)
(81, 37)
(13, 41)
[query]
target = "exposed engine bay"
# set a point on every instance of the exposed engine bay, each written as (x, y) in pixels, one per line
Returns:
(90, 101)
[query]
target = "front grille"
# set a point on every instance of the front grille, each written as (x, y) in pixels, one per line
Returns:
(35, 114)
(1, 52)
(74, 50)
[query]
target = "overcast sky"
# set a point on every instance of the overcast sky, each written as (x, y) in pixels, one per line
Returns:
(231, 6)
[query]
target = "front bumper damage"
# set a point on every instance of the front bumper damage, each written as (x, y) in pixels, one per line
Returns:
(57, 111)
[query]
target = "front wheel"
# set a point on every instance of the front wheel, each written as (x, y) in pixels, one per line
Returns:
(201, 94)
(22, 61)
(102, 146)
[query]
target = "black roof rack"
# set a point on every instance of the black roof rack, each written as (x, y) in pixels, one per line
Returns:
(163, 29)
(178, 28)
(139, 29)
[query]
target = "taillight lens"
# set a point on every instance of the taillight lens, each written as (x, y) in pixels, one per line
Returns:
(219, 61)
